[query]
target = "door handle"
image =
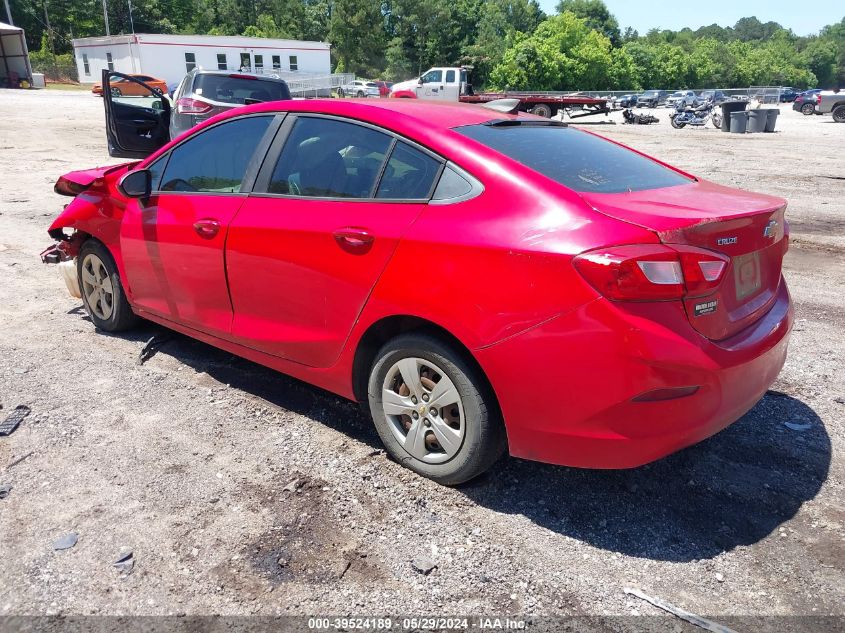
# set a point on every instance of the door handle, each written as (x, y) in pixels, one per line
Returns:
(207, 227)
(353, 240)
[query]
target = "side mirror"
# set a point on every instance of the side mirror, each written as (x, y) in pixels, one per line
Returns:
(136, 184)
(420, 81)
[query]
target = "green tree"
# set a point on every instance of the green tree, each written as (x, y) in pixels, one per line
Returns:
(357, 35)
(596, 15)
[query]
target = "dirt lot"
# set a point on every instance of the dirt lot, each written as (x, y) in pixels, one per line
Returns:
(241, 491)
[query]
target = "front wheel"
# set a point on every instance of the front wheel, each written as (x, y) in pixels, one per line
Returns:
(839, 113)
(676, 124)
(360, 94)
(102, 292)
(433, 412)
(807, 109)
(717, 120)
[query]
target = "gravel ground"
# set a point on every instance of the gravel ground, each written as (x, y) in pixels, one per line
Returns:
(241, 491)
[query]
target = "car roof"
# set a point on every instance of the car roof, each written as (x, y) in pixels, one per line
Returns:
(438, 114)
(235, 73)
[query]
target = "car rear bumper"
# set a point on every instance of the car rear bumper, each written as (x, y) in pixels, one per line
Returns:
(567, 388)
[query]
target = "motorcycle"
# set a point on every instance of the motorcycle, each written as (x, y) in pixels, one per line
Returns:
(696, 115)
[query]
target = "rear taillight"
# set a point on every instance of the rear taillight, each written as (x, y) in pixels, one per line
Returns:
(652, 272)
(186, 105)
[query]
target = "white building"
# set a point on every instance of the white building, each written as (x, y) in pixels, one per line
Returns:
(169, 57)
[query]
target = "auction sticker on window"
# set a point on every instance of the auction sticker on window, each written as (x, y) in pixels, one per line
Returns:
(706, 307)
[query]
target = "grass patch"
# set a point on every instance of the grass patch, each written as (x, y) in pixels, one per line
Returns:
(58, 86)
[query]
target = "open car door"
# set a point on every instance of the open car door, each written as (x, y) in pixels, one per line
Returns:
(137, 116)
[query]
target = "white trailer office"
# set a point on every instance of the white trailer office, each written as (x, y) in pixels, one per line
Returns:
(169, 57)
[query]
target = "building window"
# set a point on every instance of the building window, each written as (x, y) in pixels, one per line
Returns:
(109, 61)
(85, 64)
(277, 62)
(221, 61)
(190, 61)
(245, 64)
(259, 63)
(293, 63)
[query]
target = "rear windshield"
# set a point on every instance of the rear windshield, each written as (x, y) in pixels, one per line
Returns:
(236, 90)
(575, 159)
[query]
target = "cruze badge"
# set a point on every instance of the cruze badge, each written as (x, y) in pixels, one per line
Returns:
(769, 231)
(724, 241)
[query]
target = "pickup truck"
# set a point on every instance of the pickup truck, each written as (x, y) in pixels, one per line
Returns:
(831, 102)
(450, 84)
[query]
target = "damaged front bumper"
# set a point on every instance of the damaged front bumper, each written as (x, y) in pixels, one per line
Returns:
(64, 255)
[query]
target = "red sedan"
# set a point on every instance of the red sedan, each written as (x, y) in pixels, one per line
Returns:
(484, 281)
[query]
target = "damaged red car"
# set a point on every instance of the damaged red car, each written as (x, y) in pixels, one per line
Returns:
(483, 281)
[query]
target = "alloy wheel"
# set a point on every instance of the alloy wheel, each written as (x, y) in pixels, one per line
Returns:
(97, 287)
(424, 410)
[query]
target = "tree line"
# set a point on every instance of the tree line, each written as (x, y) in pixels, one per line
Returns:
(511, 44)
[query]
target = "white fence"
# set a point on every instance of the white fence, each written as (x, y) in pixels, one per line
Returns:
(309, 85)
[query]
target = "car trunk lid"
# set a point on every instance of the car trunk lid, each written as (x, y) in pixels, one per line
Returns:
(748, 228)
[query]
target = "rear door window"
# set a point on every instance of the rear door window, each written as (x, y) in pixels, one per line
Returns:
(326, 158)
(409, 174)
(236, 90)
(216, 159)
(578, 160)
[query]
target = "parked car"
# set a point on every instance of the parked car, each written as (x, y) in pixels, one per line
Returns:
(360, 88)
(787, 95)
(681, 97)
(383, 87)
(652, 98)
(831, 102)
(122, 86)
(203, 94)
(364, 247)
(716, 96)
(805, 103)
(626, 101)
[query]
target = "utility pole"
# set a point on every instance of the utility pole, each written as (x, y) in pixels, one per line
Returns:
(9, 14)
(131, 23)
(49, 29)
(106, 17)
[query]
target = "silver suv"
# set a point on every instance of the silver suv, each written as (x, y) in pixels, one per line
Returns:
(203, 94)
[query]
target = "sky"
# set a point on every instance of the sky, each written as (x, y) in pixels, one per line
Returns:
(804, 18)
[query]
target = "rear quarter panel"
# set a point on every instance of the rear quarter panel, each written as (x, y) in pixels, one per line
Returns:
(498, 264)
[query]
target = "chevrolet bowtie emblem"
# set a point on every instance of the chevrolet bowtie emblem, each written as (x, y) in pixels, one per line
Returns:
(770, 231)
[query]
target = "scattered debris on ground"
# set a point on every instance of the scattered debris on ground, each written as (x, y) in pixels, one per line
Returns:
(65, 542)
(697, 620)
(13, 420)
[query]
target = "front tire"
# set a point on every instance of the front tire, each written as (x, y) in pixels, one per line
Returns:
(102, 292)
(676, 124)
(433, 412)
(360, 94)
(716, 119)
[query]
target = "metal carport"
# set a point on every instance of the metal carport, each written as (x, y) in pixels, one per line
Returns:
(14, 57)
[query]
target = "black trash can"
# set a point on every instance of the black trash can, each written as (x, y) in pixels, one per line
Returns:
(727, 108)
(757, 121)
(771, 120)
(739, 122)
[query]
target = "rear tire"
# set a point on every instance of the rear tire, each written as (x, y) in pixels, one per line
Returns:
(839, 113)
(102, 292)
(421, 393)
(543, 110)
(807, 109)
